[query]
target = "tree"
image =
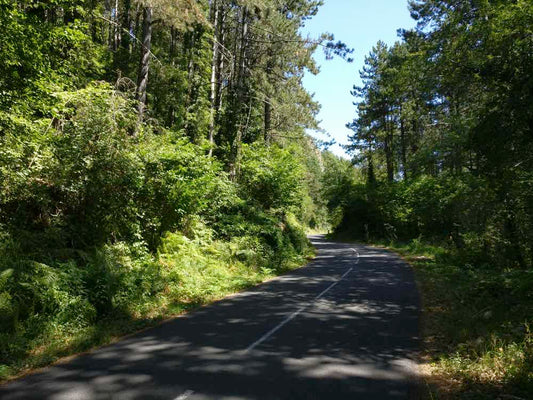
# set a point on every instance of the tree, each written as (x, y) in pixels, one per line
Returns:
(449, 106)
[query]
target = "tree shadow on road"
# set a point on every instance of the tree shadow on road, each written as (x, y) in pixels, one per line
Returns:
(359, 340)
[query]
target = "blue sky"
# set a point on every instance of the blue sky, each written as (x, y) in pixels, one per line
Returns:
(359, 24)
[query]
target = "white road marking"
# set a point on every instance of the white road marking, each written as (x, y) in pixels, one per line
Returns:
(295, 314)
(274, 330)
(185, 395)
(332, 285)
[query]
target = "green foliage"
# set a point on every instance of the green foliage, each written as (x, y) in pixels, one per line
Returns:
(339, 185)
(443, 135)
(455, 168)
(45, 304)
(477, 326)
(271, 177)
(179, 183)
(100, 225)
(78, 175)
(116, 210)
(462, 211)
(196, 271)
(43, 55)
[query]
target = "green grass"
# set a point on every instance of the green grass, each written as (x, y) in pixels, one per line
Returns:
(477, 325)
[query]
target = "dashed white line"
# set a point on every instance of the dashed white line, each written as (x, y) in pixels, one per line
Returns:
(295, 314)
(274, 330)
(185, 395)
(332, 285)
(189, 393)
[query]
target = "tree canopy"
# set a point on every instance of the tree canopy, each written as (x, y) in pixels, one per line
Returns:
(444, 117)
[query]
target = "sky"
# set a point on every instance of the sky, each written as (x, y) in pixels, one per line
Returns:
(359, 24)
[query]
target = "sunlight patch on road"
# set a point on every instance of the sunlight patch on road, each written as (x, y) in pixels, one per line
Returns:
(322, 367)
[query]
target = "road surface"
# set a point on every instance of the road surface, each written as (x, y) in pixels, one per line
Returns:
(343, 327)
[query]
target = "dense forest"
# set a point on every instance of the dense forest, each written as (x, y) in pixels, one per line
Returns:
(153, 157)
(444, 132)
(443, 144)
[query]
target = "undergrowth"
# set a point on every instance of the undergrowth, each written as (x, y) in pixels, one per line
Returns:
(118, 289)
(477, 324)
(103, 232)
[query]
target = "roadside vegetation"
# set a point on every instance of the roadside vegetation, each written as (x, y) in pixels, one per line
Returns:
(103, 233)
(442, 148)
(153, 158)
(477, 326)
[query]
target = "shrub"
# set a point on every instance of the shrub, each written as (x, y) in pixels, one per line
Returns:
(271, 177)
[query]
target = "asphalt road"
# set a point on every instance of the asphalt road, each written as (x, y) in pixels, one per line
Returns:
(343, 327)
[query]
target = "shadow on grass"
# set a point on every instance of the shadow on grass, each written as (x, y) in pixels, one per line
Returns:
(46, 345)
(477, 326)
(24, 354)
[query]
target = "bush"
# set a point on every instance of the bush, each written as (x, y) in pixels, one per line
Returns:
(271, 177)
(98, 225)
(461, 210)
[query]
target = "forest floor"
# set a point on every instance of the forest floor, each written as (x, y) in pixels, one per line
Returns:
(477, 325)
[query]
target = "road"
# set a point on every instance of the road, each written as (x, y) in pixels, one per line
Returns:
(343, 327)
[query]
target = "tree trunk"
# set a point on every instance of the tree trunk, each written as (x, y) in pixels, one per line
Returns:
(144, 64)
(268, 121)
(214, 66)
(389, 161)
(126, 26)
(371, 175)
(242, 57)
(172, 47)
(116, 27)
(237, 140)
(191, 69)
(403, 139)
(138, 14)
(268, 105)
(220, 60)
